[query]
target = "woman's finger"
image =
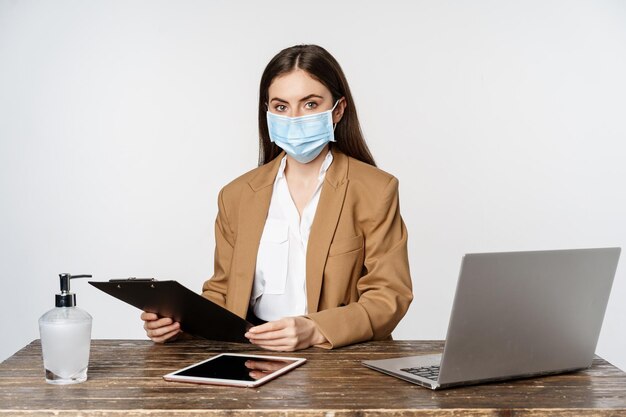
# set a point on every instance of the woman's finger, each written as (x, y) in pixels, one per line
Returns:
(145, 316)
(277, 348)
(270, 326)
(273, 330)
(162, 330)
(271, 342)
(155, 324)
(165, 337)
(277, 335)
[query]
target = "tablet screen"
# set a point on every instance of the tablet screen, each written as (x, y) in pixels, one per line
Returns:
(236, 369)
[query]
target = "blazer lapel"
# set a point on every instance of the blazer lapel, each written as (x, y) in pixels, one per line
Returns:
(324, 225)
(253, 209)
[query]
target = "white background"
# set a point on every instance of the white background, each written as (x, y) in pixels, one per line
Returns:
(121, 120)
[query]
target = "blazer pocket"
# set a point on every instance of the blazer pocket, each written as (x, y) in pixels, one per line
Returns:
(342, 246)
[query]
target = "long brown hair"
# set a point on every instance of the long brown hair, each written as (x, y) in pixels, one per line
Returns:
(320, 65)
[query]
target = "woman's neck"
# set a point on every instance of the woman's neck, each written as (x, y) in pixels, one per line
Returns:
(302, 179)
(308, 171)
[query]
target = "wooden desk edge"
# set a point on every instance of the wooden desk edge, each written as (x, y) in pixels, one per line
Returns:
(452, 412)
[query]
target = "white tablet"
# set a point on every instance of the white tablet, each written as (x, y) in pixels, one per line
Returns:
(235, 369)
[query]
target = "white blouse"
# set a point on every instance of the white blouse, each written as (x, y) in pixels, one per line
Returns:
(279, 288)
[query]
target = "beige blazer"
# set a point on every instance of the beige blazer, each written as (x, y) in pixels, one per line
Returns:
(358, 282)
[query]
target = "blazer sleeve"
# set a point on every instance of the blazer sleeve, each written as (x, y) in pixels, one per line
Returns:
(385, 288)
(215, 288)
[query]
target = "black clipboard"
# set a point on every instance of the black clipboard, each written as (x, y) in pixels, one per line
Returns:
(197, 315)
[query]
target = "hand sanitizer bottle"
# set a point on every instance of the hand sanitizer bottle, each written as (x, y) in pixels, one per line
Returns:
(65, 337)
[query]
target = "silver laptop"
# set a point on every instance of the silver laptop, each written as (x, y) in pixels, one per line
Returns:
(516, 315)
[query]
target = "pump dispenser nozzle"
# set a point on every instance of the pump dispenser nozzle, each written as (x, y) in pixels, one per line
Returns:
(67, 298)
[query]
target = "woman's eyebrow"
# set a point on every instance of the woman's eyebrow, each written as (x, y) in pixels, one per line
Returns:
(310, 96)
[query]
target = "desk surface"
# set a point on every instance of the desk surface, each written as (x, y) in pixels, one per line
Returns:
(125, 378)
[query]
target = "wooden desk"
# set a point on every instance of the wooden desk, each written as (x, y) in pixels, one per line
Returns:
(125, 379)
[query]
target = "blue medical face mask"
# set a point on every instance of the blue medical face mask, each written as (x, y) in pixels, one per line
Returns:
(304, 137)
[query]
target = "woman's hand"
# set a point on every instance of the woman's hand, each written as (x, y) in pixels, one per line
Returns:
(158, 329)
(287, 334)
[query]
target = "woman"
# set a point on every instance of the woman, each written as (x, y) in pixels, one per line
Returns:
(310, 245)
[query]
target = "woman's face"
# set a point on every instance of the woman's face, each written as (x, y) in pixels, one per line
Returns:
(297, 94)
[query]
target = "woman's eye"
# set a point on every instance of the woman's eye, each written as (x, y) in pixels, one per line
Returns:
(280, 108)
(310, 105)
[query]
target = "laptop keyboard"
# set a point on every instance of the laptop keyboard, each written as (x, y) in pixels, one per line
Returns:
(428, 372)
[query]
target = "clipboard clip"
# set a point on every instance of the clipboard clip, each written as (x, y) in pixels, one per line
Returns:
(132, 279)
